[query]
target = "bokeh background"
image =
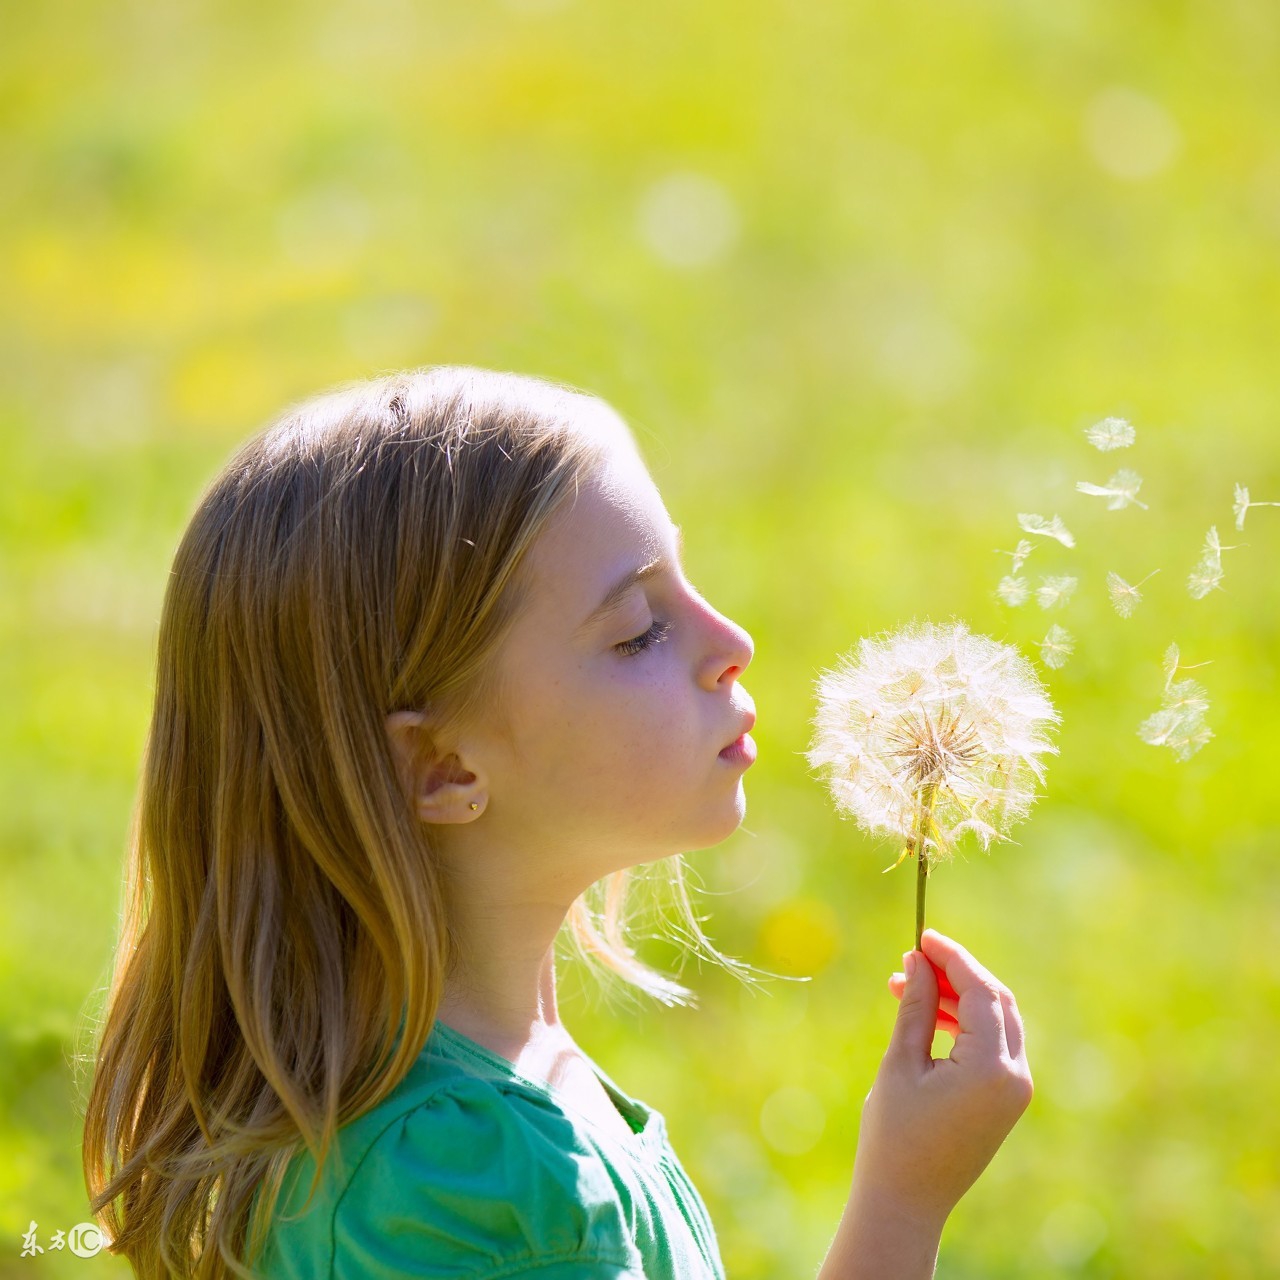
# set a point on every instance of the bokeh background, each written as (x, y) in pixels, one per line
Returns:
(859, 276)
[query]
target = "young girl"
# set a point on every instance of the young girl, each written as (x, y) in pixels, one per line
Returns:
(428, 670)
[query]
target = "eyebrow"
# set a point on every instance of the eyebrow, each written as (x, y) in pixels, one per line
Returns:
(618, 593)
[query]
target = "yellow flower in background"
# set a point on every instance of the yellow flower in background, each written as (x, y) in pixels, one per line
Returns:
(930, 732)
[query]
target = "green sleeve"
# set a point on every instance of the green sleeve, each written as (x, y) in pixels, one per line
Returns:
(475, 1184)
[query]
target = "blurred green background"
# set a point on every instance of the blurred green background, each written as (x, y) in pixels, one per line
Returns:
(858, 276)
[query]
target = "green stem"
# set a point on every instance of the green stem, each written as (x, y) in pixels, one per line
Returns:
(924, 815)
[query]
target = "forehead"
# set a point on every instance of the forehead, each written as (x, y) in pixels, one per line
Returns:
(615, 522)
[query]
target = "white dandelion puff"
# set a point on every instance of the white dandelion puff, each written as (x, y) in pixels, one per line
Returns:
(1031, 523)
(1057, 646)
(1242, 504)
(930, 732)
(1110, 433)
(1125, 596)
(1055, 590)
(1120, 490)
(1012, 590)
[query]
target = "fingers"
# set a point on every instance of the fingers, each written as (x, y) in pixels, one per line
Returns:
(980, 1004)
(912, 1037)
(944, 983)
(947, 1020)
(1013, 1030)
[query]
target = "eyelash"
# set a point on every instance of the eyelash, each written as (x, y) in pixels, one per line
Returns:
(655, 635)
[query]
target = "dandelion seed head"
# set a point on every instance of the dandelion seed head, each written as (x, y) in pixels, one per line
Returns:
(1029, 522)
(933, 705)
(1110, 433)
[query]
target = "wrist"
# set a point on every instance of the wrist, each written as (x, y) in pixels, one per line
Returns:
(883, 1237)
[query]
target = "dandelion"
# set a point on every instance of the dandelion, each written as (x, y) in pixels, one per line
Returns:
(1120, 490)
(1110, 433)
(1031, 523)
(1057, 646)
(1242, 504)
(1012, 590)
(931, 732)
(1179, 724)
(1055, 591)
(1125, 596)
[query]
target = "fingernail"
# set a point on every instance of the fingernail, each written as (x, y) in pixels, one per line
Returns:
(909, 963)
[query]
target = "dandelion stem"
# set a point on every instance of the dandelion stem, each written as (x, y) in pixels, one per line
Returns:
(920, 843)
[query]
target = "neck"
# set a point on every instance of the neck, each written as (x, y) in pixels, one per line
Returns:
(502, 990)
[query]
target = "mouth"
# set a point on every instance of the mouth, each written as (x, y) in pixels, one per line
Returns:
(742, 747)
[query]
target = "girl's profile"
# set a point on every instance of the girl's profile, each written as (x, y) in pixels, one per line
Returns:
(431, 681)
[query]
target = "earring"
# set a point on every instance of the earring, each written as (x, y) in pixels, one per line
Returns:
(474, 805)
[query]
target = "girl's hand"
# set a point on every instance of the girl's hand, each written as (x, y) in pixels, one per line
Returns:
(930, 1126)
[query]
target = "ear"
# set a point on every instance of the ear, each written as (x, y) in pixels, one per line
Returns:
(438, 785)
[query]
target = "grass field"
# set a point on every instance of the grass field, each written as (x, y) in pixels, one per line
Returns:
(858, 276)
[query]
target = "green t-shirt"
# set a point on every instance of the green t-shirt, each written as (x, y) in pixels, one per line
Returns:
(470, 1171)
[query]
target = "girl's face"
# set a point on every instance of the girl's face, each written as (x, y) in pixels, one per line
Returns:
(623, 687)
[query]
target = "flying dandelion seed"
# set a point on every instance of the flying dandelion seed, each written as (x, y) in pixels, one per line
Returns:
(1179, 724)
(1187, 698)
(930, 732)
(1019, 554)
(1125, 596)
(1208, 572)
(1205, 577)
(1213, 544)
(1012, 590)
(1031, 523)
(1055, 591)
(1172, 662)
(1242, 504)
(1057, 646)
(1183, 735)
(1120, 490)
(1110, 433)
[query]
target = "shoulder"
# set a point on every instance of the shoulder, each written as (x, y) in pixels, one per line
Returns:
(463, 1176)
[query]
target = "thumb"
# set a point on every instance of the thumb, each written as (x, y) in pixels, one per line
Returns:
(912, 1038)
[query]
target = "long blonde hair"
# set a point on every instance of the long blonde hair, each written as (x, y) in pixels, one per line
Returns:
(284, 940)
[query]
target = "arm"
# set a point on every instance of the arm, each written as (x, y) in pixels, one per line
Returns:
(930, 1126)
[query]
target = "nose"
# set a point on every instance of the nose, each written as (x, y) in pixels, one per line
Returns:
(734, 649)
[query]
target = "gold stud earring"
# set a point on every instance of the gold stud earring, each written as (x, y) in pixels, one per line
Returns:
(474, 805)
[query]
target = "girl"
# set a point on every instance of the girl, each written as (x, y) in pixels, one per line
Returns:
(429, 669)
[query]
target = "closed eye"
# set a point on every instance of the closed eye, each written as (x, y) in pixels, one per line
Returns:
(655, 635)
